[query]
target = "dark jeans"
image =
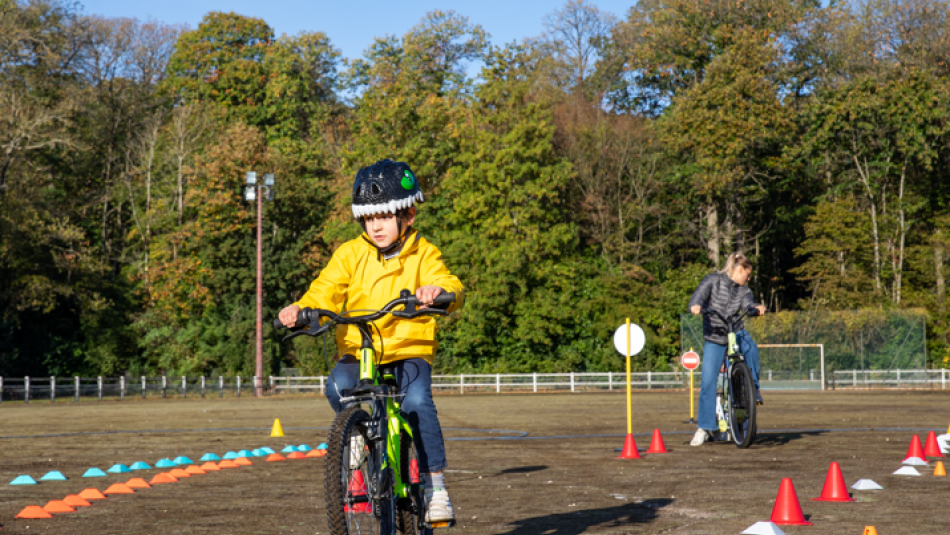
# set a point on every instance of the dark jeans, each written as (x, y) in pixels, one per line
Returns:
(415, 380)
(713, 355)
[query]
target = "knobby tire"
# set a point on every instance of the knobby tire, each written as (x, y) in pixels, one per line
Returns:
(376, 518)
(742, 407)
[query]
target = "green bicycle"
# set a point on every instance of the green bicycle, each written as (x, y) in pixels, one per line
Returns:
(372, 483)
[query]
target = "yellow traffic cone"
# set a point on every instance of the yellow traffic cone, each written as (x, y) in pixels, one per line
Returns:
(870, 530)
(277, 430)
(939, 470)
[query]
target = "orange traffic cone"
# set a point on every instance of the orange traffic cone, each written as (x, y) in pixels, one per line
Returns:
(179, 473)
(58, 506)
(317, 453)
(413, 471)
(656, 444)
(243, 461)
(227, 463)
(915, 449)
(34, 511)
(209, 467)
(629, 448)
(932, 449)
(834, 489)
(118, 488)
(787, 511)
(75, 501)
(939, 470)
(137, 483)
(297, 455)
(275, 457)
(163, 477)
(356, 488)
(869, 530)
(195, 470)
(92, 494)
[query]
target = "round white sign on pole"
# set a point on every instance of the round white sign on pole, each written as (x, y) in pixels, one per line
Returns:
(637, 339)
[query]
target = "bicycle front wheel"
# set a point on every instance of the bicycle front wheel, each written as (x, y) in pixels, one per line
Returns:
(741, 405)
(358, 488)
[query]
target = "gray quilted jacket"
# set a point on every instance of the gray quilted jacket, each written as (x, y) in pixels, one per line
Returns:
(720, 293)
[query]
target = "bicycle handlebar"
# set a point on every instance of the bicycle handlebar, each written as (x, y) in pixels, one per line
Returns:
(736, 318)
(308, 319)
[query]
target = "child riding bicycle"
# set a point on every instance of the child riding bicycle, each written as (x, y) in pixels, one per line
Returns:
(726, 293)
(366, 273)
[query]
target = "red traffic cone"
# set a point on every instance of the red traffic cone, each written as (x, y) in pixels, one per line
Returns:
(915, 449)
(932, 449)
(787, 511)
(413, 471)
(656, 443)
(629, 448)
(834, 489)
(357, 487)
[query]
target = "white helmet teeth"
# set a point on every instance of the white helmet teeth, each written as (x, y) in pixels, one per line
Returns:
(386, 208)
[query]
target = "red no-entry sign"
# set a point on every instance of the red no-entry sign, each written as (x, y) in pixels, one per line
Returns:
(690, 360)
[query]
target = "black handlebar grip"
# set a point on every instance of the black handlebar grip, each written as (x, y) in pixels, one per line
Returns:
(278, 324)
(444, 299)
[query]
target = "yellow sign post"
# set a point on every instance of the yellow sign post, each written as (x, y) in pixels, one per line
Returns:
(629, 340)
(690, 361)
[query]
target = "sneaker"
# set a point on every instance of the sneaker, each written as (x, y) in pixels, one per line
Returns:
(438, 506)
(758, 397)
(699, 438)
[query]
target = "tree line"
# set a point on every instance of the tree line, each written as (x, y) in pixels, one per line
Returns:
(592, 173)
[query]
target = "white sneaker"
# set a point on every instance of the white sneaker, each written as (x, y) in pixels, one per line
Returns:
(357, 444)
(438, 506)
(699, 438)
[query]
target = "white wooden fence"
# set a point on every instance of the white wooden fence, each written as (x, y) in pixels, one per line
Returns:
(119, 388)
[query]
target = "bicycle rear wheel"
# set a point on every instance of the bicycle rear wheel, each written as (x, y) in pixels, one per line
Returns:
(741, 405)
(409, 510)
(358, 488)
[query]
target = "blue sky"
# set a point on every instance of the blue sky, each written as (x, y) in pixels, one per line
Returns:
(353, 26)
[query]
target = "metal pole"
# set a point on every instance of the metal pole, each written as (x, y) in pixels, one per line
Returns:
(164, 385)
(497, 383)
(144, 387)
(821, 350)
(629, 407)
(259, 369)
(220, 386)
(184, 386)
(76, 379)
(99, 383)
(649, 380)
(692, 401)
(322, 387)
(572, 381)
(122, 388)
(534, 381)
(26, 389)
(461, 383)
(238, 386)
(202, 386)
(52, 388)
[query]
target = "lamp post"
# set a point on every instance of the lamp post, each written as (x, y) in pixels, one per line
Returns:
(252, 192)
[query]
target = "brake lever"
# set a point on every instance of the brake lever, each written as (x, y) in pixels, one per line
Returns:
(310, 331)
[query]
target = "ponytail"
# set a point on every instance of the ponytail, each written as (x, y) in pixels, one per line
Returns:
(736, 259)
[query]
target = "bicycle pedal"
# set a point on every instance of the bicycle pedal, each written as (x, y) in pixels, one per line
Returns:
(437, 525)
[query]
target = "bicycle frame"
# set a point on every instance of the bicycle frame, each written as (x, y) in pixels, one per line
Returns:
(396, 424)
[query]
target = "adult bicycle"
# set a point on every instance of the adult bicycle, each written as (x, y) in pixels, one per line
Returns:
(735, 387)
(372, 484)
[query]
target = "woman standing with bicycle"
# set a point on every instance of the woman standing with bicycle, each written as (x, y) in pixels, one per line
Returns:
(725, 293)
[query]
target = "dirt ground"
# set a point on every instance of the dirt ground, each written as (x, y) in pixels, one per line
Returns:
(549, 482)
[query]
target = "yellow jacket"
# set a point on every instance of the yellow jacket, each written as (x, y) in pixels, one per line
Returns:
(358, 278)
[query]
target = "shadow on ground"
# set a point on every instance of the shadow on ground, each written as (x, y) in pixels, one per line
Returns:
(577, 522)
(523, 469)
(780, 439)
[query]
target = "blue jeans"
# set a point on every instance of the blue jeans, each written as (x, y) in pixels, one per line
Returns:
(414, 377)
(713, 355)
